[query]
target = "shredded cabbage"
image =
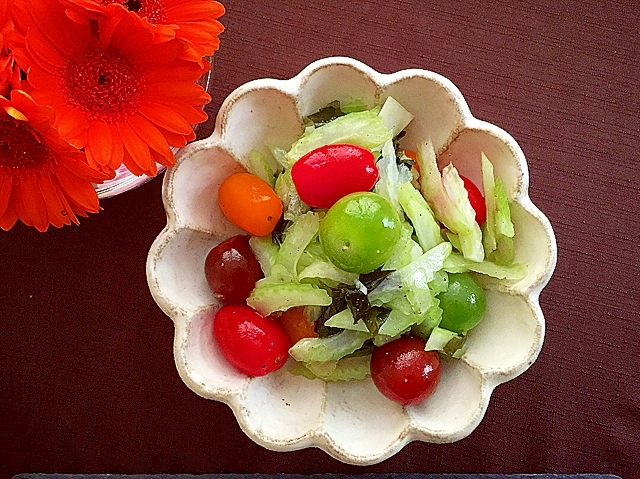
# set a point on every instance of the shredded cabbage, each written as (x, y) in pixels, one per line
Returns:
(412, 281)
(395, 116)
(363, 128)
(292, 205)
(344, 320)
(389, 178)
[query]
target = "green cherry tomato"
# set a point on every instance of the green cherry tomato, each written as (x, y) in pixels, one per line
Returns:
(359, 232)
(463, 304)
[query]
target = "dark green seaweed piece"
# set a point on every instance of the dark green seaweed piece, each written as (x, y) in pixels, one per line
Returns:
(326, 114)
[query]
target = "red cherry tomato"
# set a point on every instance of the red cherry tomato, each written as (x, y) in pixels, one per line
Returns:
(232, 270)
(328, 173)
(476, 199)
(251, 343)
(404, 372)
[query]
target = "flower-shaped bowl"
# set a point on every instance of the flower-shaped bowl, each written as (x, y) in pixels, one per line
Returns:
(351, 421)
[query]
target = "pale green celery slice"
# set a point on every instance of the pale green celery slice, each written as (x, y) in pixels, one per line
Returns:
(417, 209)
(330, 348)
(504, 226)
(453, 239)
(277, 274)
(353, 106)
(324, 270)
(456, 263)
(449, 201)
(266, 298)
(346, 369)
(488, 185)
(296, 238)
(439, 338)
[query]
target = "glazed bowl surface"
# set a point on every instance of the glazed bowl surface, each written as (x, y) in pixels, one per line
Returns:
(351, 421)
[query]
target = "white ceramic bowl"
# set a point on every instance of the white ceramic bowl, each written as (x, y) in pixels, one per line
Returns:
(350, 421)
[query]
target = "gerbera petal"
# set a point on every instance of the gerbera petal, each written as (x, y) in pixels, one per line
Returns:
(51, 21)
(33, 202)
(42, 79)
(6, 182)
(194, 11)
(125, 29)
(71, 122)
(131, 165)
(137, 150)
(100, 143)
(176, 70)
(187, 92)
(154, 138)
(167, 161)
(77, 17)
(192, 115)
(78, 190)
(165, 117)
(57, 213)
(79, 141)
(8, 218)
(175, 140)
(117, 148)
(159, 53)
(38, 46)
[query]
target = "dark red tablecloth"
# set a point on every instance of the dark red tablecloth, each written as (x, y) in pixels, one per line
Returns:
(87, 378)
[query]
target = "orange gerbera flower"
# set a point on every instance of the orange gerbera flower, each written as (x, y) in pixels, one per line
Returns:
(122, 97)
(195, 21)
(43, 179)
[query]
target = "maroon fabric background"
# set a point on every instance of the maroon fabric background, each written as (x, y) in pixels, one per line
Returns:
(87, 379)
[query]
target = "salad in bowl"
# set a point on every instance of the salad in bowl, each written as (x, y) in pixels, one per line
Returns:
(350, 249)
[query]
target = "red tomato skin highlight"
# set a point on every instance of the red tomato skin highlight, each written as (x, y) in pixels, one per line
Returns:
(404, 372)
(476, 199)
(231, 270)
(328, 173)
(251, 343)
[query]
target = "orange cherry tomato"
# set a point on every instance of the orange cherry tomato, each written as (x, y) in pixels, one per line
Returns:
(296, 324)
(250, 203)
(411, 154)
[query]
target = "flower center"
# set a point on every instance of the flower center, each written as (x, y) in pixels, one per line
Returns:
(153, 10)
(20, 147)
(103, 84)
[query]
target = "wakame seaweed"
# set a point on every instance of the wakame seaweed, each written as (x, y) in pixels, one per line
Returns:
(277, 235)
(356, 300)
(326, 114)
